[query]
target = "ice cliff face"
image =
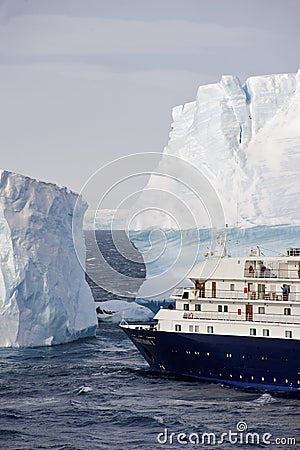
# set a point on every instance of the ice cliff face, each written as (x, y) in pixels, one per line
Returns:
(246, 140)
(44, 298)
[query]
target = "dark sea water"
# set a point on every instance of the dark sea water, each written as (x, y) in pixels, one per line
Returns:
(100, 394)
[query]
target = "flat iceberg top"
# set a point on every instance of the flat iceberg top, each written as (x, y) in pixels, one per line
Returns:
(44, 298)
(245, 138)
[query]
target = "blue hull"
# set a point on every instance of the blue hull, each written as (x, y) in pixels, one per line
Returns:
(263, 363)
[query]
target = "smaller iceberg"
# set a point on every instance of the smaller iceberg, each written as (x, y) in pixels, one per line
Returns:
(44, 298)
(116, 310)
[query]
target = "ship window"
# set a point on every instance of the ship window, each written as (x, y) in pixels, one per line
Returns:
(261, 310)
(186, 306)
(225, 308)
(196, 328)
(287, 311)
(185, 294)
(177, 327)
(210, 329)
(197, 307)
(266, 332)
(191, 328)
(288, 334)
(220, 308)
(253, 331)
(232, 287)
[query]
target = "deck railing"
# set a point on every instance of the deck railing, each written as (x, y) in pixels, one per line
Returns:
(218, 294)
(265, 272)
(263, 318)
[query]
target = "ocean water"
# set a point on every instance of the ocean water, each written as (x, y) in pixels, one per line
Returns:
(100, 394)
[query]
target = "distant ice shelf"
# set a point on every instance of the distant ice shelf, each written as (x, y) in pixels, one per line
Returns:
(44, 298)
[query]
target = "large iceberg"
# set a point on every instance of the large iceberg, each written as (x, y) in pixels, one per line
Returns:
(44, 298)
(245, 139)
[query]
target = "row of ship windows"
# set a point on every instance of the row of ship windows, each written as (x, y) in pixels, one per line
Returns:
(253, 331)
(229, 355)
(252, 378)
(224, 308)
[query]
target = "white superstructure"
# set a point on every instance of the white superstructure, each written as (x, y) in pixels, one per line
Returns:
(241, 296)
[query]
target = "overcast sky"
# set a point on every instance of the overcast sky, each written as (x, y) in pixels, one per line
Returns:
(85, 81)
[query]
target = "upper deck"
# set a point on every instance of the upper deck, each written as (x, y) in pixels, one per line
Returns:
(254, 266)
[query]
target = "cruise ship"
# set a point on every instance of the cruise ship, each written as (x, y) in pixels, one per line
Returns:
(238, 323)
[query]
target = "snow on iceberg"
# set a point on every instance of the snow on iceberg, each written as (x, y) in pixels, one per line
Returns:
(44, 298)
(245, 139)
(115, 310)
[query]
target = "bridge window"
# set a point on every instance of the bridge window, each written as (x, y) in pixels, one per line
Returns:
(185, 294)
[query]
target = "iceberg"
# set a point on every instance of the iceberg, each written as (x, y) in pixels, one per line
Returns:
(44, 298)
(116, 310)
(245, 139)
